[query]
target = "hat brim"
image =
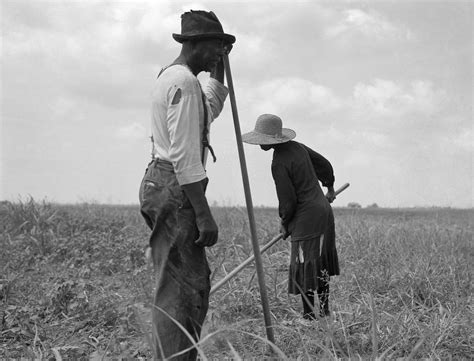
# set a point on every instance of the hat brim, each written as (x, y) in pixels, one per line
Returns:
(228, 39)
(257, 138)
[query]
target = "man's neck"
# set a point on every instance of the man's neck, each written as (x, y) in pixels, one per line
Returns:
(184, 60)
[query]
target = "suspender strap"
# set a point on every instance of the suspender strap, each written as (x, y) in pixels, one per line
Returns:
(205, 131)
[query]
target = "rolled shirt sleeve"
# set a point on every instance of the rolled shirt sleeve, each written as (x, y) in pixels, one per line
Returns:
(216, 94)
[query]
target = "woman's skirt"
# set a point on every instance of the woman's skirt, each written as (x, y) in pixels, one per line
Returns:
(313, 261)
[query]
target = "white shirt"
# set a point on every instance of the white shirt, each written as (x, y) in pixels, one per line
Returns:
(177, 128)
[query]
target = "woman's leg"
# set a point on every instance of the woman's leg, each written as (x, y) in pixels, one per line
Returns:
(308, 305)
(323, 294)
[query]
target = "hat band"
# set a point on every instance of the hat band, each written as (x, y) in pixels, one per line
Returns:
(273, 136)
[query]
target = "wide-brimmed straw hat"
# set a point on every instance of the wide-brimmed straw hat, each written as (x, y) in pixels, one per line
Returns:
(200, 24)
(268, 130)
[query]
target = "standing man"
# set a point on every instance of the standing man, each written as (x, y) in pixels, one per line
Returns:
(172, 193)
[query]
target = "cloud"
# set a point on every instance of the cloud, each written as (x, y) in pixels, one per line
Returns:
(292, 95)
(379, 116)
(379, 109)
(26, 14)
(368, 142)
(246, 48)
(134, 131)
(373, 25)
(158, 23)
(388, 99)
(464, 140)
(417, 116)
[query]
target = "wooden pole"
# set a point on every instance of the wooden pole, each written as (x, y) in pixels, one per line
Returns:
(248, 199)
(241, 266)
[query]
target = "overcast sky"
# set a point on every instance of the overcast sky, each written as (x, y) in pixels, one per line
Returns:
(381, 89)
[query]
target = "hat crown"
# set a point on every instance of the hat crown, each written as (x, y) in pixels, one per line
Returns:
(269, 124)
(268, 130)
(200, 22)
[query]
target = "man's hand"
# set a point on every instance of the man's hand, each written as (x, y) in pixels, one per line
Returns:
(208, 232)
(284, 231)
(331, 194)
(228, 48)
(206, 225)
(219, 70)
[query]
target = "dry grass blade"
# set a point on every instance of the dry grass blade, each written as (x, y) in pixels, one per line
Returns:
(375, 345)
(234, 353)
(188, 335)
(345, 333)
(319, 344)
(57, 355)
(328, 326)
(384, 354)
(274, 347)
(417, 346)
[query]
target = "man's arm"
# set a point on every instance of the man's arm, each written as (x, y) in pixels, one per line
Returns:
(185, 154)
(207, 227)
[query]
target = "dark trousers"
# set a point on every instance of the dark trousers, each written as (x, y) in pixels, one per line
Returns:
(182, 283)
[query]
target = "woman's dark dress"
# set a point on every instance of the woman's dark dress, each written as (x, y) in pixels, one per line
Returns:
(306, 213)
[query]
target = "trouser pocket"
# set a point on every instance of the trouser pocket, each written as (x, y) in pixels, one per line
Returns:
(160, 194)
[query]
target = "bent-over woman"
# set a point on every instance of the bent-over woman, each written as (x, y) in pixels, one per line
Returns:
(305, 212)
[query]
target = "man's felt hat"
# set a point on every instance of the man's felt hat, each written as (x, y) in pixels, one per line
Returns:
(268, 130)
(199, 24)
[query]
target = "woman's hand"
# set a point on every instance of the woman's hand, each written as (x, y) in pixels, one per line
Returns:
(284, 231)
(330, 195)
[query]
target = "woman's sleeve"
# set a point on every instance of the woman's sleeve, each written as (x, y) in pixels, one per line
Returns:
(322, 167)
(285, 192)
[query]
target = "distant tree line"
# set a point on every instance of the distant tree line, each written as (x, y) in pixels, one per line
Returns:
(357, 205)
